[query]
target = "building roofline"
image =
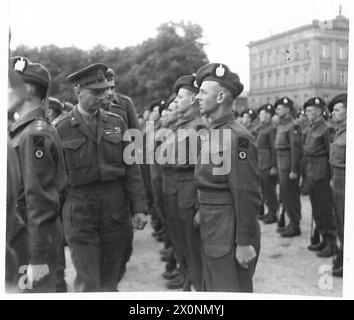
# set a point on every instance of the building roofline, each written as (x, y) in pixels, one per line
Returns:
(314, 25)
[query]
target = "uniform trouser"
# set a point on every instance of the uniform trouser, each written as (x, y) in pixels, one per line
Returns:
(217, 226)
(290, 196)
(269, 191)
(61, 284)
(173, 221)
(20, 245)
(321, 203)
(145, 172)
(156, 180)
(97, 230)
(338, 192)
(187, 209)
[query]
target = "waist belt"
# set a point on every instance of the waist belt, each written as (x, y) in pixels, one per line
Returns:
(95, 186)
(215, 197)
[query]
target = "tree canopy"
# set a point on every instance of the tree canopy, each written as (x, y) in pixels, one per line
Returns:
(145, 72)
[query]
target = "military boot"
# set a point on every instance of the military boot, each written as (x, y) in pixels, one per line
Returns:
(316, 243)
(176, 282)
(292, 231)
(329, 249)
(338, 259)
(270, 218)
(187, 286)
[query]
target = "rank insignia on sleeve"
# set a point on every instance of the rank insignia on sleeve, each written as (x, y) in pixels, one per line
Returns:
(242, 155)
(40, 125)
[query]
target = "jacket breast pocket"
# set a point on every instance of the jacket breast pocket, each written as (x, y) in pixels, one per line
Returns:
(74, 152)
(318, 168)
(113, 148)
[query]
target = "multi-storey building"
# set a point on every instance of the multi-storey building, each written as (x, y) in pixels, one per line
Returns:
(308, 61)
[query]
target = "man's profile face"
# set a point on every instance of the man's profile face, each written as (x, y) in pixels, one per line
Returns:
(207, 97)
(282, 111)
(264, 116)
(172, 114)
(184, 100)
(339, 113)
(91, 99)
(312, 113)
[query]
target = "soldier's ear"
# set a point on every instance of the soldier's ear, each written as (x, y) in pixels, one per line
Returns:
(77, 91)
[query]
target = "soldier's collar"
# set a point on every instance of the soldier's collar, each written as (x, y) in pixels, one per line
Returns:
(27, 118)
(222, 120)
(189, 116)
(316, 123)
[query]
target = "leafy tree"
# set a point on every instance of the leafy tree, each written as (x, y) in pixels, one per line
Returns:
(145, 72)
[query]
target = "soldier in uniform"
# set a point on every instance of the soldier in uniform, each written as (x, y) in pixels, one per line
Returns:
(248, 117)
(42, 170)
(102, 188)
(229, 191)
(316, 150)
(338, 108)
(288, 149)
(170, 194)
(267, 161)
(186, 158)
(121, 104)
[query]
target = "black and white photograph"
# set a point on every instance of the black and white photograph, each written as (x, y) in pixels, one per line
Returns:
(176, 148)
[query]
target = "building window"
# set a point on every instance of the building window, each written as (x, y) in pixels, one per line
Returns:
(261, 81)
(325, 50)
(341, 52)
(261, 59)
(286, 77)
(296, 54)
(277, 84)
(342, 77)
(325, 76)
(307, 53)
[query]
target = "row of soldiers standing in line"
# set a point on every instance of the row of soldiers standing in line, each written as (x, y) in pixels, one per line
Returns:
(309, 147)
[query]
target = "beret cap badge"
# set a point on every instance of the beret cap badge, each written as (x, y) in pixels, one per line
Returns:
(285, 100)
(20, 64)
(220, 71)
(317, 101)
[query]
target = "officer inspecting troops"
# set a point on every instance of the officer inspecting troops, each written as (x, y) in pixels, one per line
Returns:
(288, 149)
(101, 187)
(229, 196)
(338, 109)
(316, 149)
(37, 235)
(267, 161)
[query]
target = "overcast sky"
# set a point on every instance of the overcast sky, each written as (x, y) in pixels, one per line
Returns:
(228, 25)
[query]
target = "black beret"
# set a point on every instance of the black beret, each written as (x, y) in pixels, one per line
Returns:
(315, 102)
(55, 104)
(91, 77)
(187, 82)
(220, 73)
(31, 72)
(337, 99)
(157, 103)
(285, 101)
(170, 99)
(250, 112)
(267, 107)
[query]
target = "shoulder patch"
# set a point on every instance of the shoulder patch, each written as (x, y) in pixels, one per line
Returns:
(60, 119)
(243, 143)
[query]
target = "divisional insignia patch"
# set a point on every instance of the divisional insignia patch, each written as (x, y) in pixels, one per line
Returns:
(242, 155)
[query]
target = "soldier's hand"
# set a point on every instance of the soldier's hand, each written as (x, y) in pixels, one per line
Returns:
(196, 220)
(273, 171)
(292, 175)
(36, 272)
(245, 255)
(331, 183)
(139, 221)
